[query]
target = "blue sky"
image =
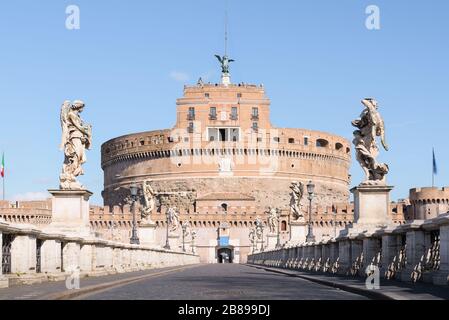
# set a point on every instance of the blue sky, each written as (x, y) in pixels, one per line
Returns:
(130, 60)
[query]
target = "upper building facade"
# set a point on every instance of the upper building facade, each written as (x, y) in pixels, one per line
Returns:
(224, 142)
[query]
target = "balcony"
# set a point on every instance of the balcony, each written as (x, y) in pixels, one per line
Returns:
(234, 117)
(212, 116)
(191, 117)
(255, 117)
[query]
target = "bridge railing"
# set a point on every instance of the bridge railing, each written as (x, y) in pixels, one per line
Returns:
(417, 251)
(30, 255)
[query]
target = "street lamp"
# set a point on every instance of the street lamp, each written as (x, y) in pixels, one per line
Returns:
(167, 242)
(184, 229)
(310, 190)
(278, 216)
(263, 241)
(134, 189)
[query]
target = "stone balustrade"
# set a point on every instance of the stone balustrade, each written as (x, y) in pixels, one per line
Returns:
(29, 256)
(416, 251)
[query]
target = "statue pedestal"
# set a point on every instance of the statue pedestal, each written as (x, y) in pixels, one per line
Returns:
(173, 241)
(371, 205)
(226, 79)
(272, 240)
(70, 213)
(147, 233)
(298, 232)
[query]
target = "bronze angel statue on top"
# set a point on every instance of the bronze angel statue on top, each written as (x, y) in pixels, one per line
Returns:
(224, 61)
(76, 138)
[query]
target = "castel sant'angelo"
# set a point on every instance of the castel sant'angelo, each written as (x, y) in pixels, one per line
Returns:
(224, 165)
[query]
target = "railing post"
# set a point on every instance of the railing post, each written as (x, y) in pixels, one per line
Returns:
(416, 250)
(441, 277)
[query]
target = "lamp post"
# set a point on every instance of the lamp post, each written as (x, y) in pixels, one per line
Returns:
(193, 234)
(184, 229)
(263, 238)
(335, 222)
(278, 216)
(167, 242)
(310, 190)
(134, 238)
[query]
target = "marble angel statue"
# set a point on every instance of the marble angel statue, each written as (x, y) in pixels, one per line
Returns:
(76, 138)
(295, 199)
(149, 201)
(370, 126)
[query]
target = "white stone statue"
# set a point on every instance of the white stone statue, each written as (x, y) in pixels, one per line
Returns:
(149, 201)
(273, 220)
(186, 225)
(173, 219)
(252, 236)
(259, 228)
(370, 125)
(76, 138)
(295, 200)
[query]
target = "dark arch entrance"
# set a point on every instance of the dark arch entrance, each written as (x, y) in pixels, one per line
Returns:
(225, 255)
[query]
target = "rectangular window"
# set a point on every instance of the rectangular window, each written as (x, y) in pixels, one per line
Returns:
(191, 113)
(234, 115)
(306, 141)
(255, 126)
(255, 113)
(213, 113)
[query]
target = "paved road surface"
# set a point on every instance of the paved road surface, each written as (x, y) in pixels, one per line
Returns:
(222, 282)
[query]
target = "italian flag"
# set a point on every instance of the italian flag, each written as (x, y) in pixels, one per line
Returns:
(2, 172)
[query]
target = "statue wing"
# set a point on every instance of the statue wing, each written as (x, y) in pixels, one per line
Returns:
(219, 58)
(231, 60)
(64, 123)
(382, 136)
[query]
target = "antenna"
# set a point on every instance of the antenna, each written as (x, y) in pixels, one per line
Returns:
(226, 28)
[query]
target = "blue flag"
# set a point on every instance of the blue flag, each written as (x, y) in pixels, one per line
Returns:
(435, 168)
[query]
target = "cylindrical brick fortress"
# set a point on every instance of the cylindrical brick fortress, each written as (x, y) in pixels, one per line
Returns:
(257, 161)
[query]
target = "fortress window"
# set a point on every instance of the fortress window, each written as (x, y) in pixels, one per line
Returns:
(234, 115)
(191, 127)
(283, 225)
(306, 141)
(255, 126)
(259, 139)
(255, 114)
(321, 143)
(213, 113)
(224, 207)
(207, 95)
(291, 140)
(239, 95)
(338, 146)
(276, 139)
(191, 115)
(170, 139)
(142, 142)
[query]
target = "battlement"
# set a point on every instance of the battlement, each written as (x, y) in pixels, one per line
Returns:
(429, 195)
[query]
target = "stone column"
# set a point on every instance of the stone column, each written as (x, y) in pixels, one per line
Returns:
(23, 254)
(441, 277)
(51, 258)
(4, 283)
(344, 252)
(391, 245)
(416, 249)
(371, 248)
(71, 254)
(86, 257)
